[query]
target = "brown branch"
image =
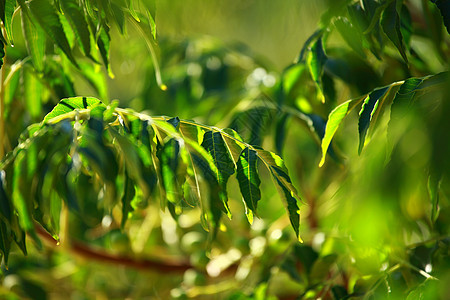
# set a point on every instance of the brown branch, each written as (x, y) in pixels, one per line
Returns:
(84, 251)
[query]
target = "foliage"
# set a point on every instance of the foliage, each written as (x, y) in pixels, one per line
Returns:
(120, 187)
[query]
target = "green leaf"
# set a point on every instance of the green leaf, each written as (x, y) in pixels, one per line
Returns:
(35, 42)
(212, 214)
(133, 163)
(22, 199)
(6, 14)
(47, 17)
(248, 178)
(334, 120)
(391, 26)
(215, 145)
(75, 16)
(351, 35)
(33, 93)
(316, 60)
(286, 190)
(103, 42)
(434, 182)
(70, 104)
(168, 155)
(118, 16)
(234, 143)
(368, 109)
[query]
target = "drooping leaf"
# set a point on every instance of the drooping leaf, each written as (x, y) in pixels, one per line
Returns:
(215, 145)
(5, 241)
(127, 196)
(280, 132)
(133, 163)
(5, 206)
(285, 188)
(118, 16)
(103, 42)
(248, 178)
(316, 60)
(21, 197)
(212, 214)
(334, 120)
(368, 109)
(33, 93)
(391, 26)
(351, 35)
(234, 143)
(168, 155)
(75, 16)
(70, 104)
(46, 15)
(35, 42)
(444, 8)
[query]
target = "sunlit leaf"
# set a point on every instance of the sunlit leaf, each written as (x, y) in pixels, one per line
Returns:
(35, 42)
(103, 42)
(248, 178)
(6, 14)
(75, 16)
(47, 17)
(70, 104)
(316, 60)
(334, 120)
(368, 109)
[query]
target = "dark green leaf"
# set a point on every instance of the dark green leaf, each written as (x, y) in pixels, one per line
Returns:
(211, 215)
(215, 145)
(391, 26)
(367, 111)
(5, 206)
(248, 178)
(75, 16)
(47, 17)
(5, 241)
(128, 195)
(280, 132)
(233, 142)
(175, 122)
(284, 186)
(70, 104)
(119, 17)
(444, 8)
